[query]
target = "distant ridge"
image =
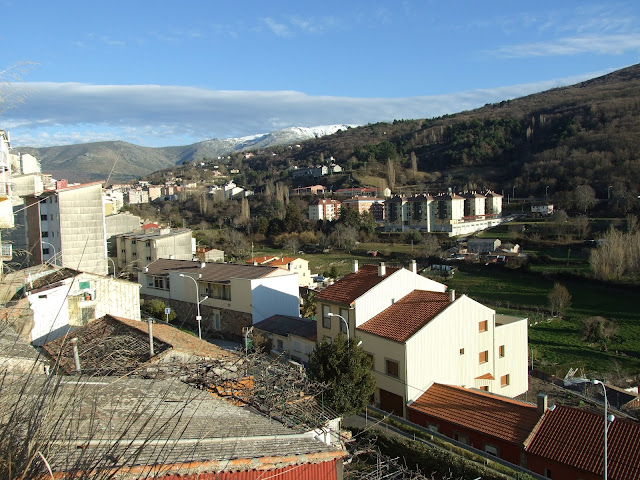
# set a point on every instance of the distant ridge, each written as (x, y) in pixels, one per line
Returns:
(95, 161)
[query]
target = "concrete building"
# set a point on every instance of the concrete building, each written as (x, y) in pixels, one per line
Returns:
(53, 300)
(324, 209)
(137, 195)
(68, 223)
(542, 209)
(209, 254)
(229, 297)
(448, 213)
(417, 334)
(373, 205)
(136, 250)
(483, 245)
(296, 265)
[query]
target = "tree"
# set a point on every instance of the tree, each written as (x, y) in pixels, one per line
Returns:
(391, 173)
(430, 247)
(559, 299)
(599, 330)
(156, 308)
(414, 164)
(585, 197)
(345, 368)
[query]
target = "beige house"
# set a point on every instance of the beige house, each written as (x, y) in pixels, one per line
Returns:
(66, 226)
(292, 338)
(296, 265)
(417, 334)
(138, 249)
(228, 297)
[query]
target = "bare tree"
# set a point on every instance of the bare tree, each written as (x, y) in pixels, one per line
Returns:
(599, 330)
(585, 197)
(391, 173)
(559, 299)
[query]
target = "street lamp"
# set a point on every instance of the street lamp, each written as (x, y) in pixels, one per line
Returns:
(346, 324)
(114, 266)
(54, 252)
(607, 421)
(546, 191)
(198, 302)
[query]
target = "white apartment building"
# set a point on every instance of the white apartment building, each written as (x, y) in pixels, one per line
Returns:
(324, 209)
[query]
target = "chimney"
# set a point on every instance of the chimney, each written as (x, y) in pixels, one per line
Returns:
(452, 295)
(151, 336)
(414, 267)
(542, 403)
(355, 266)
(382, 270)
(76, 355)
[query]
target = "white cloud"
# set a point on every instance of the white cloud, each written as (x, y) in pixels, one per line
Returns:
(153, 115)
(280, 29)
(595, 44)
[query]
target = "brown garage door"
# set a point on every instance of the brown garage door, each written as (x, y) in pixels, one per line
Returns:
(392, 403)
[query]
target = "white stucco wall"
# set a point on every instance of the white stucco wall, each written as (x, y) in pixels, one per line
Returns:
(50, 314)
(275, 295)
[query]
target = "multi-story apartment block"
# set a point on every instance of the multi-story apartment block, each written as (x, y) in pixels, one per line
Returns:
(66, 226)
(448, 213)
(373, 205)
(324, 209)
(138, 249)
(137, 195)
(417, 334)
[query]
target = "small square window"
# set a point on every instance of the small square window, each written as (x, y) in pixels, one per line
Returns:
(482, 326)
(484, 357)
(501, 351)
(462, 351)
(504, 380)
(393, 368)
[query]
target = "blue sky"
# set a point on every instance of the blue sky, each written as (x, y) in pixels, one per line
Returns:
(158, 73)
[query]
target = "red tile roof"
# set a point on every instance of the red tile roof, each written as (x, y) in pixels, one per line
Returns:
(282, 261)
(407, 316)
(354, 285)
(499, 417)
(486, 376)
(574, 437)
(260, 260)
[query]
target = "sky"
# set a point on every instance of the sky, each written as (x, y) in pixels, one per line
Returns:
(158, 73)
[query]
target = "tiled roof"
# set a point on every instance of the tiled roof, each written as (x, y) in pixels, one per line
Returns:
(407, 316)
(500, 417)
(284, 325)
(113, 345)
(178, 430)
(486, 376)
(574, 437)
(150, 225)
(260, 260)
(211, 272)
(354, 285)
(282, 261)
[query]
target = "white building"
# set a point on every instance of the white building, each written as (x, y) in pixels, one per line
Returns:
(136, 250)
(324, 209)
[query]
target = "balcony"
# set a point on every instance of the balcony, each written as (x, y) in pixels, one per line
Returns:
(7, 251)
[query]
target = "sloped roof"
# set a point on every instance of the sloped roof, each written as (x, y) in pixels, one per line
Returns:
(407, 316)
(116, 346)
(283, 261)
(211, 272)
(354, 285)
(574, 437)
(141, 426)
(284, 325)
(499, 417)
(260, 260)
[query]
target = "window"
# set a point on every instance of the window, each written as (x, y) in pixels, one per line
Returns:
(547, 473)
(148, 259)
(461, 437)
(491, 449)
(159, 282)
(45, 234)
(216, 321)
(482, 326)
(504, 380)
(462, 351)
(133, 242)
(147, 243)
(501, 351)
(326, 319)
(280, 345)
(392, 368)
(45, 251)
(484, 356)
(484, 388)
(43, 217)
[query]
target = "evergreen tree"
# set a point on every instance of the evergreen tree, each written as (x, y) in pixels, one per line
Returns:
(345, 368)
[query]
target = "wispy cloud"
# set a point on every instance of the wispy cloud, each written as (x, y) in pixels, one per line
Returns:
(280, 29)
(595, 44)
(152, 115)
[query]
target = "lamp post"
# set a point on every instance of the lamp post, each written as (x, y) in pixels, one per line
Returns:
(609, 192)
(546, 191)
(346, 324)
(54, 252)
(114, 266)
(607, 420)
(198, 302)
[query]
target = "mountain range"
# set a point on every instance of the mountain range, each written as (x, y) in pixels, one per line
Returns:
(118, 161)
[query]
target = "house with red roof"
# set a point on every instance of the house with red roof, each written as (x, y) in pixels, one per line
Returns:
(296, 265)
(568, 443)
(417, 334)
(496, 425)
